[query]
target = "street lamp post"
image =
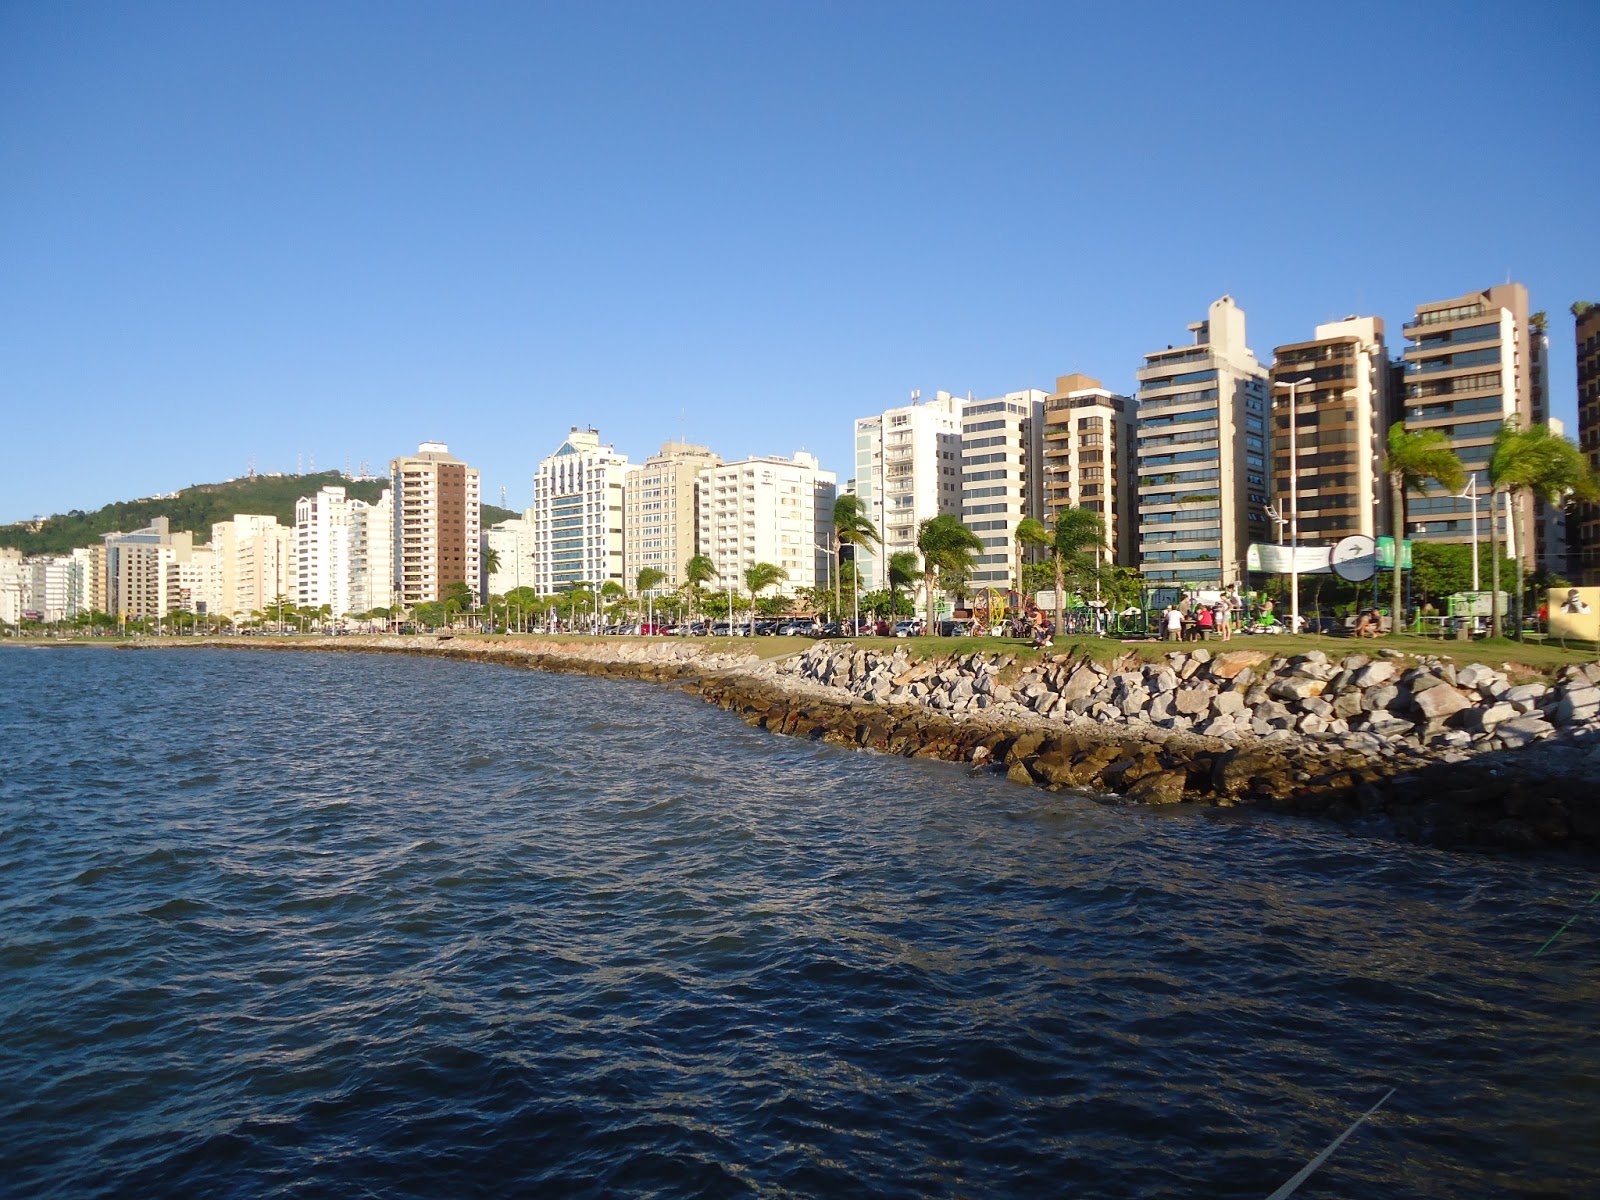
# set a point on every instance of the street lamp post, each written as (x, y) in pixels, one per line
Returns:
(1294, 509)
(1471, 493)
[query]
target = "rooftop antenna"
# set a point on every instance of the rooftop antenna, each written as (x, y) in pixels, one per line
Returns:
(250, 467)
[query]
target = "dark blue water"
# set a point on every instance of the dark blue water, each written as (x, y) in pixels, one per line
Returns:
(305, 925)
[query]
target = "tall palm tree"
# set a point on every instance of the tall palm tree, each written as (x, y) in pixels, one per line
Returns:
(902, 574)
(1534, 461)
(946, 545)
(648, 580)
(851, 527)
(1030, 533)
(1413, 459)
(758, 578)
(697, 571)
(1077, 531)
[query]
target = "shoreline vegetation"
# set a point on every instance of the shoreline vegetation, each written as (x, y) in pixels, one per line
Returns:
(1433, 745)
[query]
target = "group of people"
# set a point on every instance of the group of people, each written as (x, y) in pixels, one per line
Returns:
(1192, 619)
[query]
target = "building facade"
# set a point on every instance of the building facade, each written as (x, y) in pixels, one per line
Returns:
(577, 514)
(436, 524)
(773, 510)
(515, 547)
(1343, 407)
(138, 584)
(1089, 461)
(908, 468)
(1001, 462)
(660, 520)
(1584, 555)
(1468, 371)
(1202, 454)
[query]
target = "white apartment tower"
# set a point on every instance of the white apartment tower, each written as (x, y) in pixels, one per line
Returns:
(436, 524)
(1001, 457)
(660, 522)
(1202, 454)
(344, 555)
(908, 468)
(577, 514)
(775, 510)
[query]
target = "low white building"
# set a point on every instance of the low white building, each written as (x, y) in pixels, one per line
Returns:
(514, 542)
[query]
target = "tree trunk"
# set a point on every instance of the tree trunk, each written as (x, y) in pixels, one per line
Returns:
(928, 581)
(1524, 544)
(1397, 501)
(1061, 587)
(1494, 564)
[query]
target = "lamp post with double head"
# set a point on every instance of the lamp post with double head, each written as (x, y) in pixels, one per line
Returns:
(1294, 507)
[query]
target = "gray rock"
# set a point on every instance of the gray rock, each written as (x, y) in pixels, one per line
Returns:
(1316, 706)
(1191, 702)
(1374, 673)
(1313, 724)
(1295, 688)
(1579, 704)
(1347, 704)
(1437, 703)
(1521, 730)
(962, 689)
(1227, 703)
(1380, 697)
(1526, 693)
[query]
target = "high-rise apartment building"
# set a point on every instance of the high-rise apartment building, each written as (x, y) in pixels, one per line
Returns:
(1343, 409)
(344, 555)
(1088, 461)
(1001, 448)
(1585, 553)
(1202, 454)
(908, 468)
(659, 520)
(1468, 371)
(577, 514)
(13, 588)
(774, 510)
(436, 524)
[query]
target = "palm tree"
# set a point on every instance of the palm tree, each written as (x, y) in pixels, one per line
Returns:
(648, 580)
(1030, 532)
(851, 527)
(758, 578)
(1076, 531)
(1413, 459)
(902, 574)
(946, 545)
(489, 560)
(1533, 461)
(698, 570)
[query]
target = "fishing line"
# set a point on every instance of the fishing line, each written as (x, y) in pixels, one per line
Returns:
(1563, 928)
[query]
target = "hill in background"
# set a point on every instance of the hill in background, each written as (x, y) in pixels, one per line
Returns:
(196, 509)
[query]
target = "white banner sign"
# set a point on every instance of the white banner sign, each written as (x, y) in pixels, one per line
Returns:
(1275, 560)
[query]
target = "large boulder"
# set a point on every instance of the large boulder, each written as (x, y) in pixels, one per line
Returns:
(1437, 703)
(1230, 662)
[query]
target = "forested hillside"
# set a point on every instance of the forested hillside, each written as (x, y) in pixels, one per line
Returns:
(195, 508)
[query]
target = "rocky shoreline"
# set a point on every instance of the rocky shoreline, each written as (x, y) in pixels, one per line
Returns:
(1445, 757)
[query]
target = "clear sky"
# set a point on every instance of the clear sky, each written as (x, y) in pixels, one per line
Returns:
(236, 233)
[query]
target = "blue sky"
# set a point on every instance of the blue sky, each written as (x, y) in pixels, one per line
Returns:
(238, 232)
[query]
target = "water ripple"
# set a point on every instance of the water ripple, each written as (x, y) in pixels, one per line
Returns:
(301, 925)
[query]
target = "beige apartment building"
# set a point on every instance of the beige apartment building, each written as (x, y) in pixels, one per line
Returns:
(1088, 460)
(1001, 447)
(660, 521)
(1468, 369)
(1344, 404)
(437, 524)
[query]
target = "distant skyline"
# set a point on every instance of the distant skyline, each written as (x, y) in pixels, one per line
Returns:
(233, 233)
